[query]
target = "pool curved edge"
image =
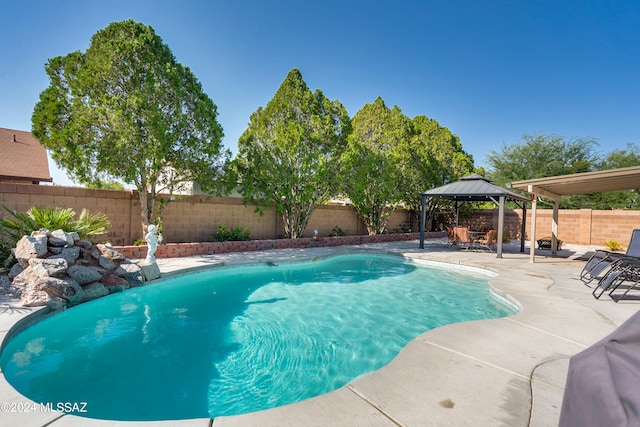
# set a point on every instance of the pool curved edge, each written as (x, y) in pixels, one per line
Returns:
(479, 371)
(41, 313)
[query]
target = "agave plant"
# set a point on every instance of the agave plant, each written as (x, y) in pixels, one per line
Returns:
(91, 224)
(613, 245)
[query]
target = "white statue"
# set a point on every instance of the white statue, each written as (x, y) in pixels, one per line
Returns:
(152, 242)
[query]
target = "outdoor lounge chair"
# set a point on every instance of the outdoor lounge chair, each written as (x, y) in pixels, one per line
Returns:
(624, 272)
(597, 266)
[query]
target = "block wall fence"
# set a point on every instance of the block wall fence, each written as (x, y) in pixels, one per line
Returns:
(186, 219)
(193, 219)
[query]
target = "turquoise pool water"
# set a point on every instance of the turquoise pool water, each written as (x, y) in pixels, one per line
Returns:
(235, 340)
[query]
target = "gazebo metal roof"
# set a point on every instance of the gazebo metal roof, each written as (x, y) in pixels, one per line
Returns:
(473, 188)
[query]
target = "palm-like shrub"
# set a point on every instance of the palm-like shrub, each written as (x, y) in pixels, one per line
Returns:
(50, 217)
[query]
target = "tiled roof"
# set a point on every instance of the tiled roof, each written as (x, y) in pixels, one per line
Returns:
(22, 157)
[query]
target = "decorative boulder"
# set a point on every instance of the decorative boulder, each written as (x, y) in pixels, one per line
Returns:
(151, 271)
(110, 252)
(14, 271)
(131, 272)
(69, 254)
(115, 283)
(31, 247)
(32, 297)
(106, 263)
(94, 290)
(65, 289)
(43, 267)
(23, 280)
(60, 238)
(57, 269)
(83, 274)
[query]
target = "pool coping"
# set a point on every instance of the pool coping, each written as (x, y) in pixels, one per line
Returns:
(508, 371)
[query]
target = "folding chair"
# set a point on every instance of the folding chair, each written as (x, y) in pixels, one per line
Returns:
(597, 266)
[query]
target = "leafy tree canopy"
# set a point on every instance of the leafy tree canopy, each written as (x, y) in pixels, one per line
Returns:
(539, 156)
(289, 154)
(547, 155)
(623, 199)
(432, 157)
(372, 173)
(126, 110)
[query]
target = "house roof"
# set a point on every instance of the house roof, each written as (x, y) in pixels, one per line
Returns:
(472, 188)
(582, 183)
(22, 157)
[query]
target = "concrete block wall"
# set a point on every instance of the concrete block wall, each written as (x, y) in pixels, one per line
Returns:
(580, 227)
(185, 219)
(195, 218)
(119, 206)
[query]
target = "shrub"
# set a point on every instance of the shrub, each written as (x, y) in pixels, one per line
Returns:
(337, 232)
(613, 245)
(223, 234)
(50, 217)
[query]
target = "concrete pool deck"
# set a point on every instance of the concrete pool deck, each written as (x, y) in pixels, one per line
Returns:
(499, 372)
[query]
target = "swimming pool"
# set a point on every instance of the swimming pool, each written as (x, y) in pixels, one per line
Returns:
(235, 340)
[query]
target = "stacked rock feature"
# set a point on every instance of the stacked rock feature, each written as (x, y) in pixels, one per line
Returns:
(57, 269)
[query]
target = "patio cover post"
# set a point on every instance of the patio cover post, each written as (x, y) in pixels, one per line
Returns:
(554, 229)
(523, 227)
(532, 245)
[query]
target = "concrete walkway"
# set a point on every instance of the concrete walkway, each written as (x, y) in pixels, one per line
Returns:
(499, 372)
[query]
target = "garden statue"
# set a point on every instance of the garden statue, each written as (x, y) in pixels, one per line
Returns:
(152, 242)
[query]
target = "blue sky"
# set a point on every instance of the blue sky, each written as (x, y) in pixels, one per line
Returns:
(490, 71)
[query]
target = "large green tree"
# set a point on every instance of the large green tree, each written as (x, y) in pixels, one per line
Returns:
(289, 155)
(372, 165)
(624, 199)
(432, 157)
(539, 156)
(126, 110)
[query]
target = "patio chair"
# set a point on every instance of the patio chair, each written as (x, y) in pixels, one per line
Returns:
(462, 236)
(624, 272)
(597, 266)
(488, 240)
(451, 238)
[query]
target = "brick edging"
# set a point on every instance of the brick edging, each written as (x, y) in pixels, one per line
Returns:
(177, 250)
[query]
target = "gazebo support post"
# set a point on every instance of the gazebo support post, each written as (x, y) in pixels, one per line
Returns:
(500, 226)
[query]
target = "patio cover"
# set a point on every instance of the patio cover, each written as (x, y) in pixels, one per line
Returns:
(475, 188)
(555, 187)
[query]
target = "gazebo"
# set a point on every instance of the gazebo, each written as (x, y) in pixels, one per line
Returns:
(476, 188)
